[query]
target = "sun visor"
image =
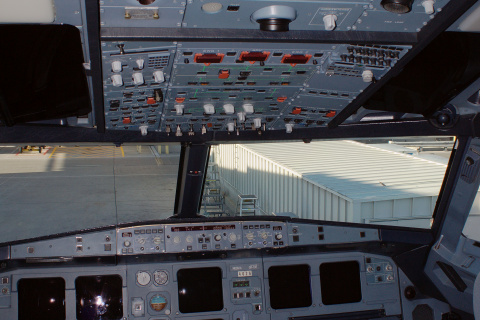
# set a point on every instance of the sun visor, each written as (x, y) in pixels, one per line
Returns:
(43, 76)
(441, 71)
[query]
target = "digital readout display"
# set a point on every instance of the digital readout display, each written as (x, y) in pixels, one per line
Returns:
(203, 228)
(241, 284)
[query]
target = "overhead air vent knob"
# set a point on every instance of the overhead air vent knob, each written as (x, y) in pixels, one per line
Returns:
(397, 6)
(274, 18)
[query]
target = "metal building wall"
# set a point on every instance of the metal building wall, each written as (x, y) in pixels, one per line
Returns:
(333, 180)
(278, 189)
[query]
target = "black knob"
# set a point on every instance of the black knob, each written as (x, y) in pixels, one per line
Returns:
(274, 24)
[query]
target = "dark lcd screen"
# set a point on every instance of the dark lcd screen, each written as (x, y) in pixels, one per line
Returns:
(290, 286)
(340, 282)
(99, 297)
(200, 290)
(41, 299)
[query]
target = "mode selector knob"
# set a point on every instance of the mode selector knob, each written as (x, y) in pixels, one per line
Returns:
(217, 237)
(278, 236)
(127, 243)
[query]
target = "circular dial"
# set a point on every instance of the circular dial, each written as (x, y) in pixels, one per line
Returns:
(143, 278)
(160, 277)
(158, 302)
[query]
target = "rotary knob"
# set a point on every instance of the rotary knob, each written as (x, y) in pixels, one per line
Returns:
(176, 239)
(127, 243)
(250, 236)
(141, 241)
(157, 240)
(232, 237)
(189, 239)
(264, 235)
(217, 237)
(278, 236)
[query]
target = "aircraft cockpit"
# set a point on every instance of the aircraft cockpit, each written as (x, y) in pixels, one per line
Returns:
(248, 160)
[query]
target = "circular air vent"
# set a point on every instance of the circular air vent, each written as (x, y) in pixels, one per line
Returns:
(397, 6)
(274, 18)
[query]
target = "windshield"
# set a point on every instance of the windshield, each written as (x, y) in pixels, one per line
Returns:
(56, 189)
(59, 189)
(376, 181)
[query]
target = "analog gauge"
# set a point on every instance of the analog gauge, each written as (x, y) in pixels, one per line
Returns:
(143, 278)
(158, 302)
(160, 277)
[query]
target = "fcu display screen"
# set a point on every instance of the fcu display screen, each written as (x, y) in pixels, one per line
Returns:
(340, 282)
(290, 286)
(99, 297)
(200, 290)
(41, 299)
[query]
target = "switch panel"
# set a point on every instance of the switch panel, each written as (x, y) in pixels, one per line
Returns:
(141, 240)
(199, 237)
(193, 88)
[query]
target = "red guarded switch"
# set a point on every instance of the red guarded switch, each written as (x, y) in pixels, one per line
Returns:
(296, 110)
(151, 100)
(224, 74)
(127, 120)
(281, 99)
(331, 114)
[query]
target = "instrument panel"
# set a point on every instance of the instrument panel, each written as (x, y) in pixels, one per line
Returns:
(194, 237)
(255, 287)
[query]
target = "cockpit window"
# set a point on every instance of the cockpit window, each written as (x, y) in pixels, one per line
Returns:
(48, 190)
(390, 181)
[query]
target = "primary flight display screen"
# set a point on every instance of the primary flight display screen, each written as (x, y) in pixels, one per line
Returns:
(200, 289)
(99, 297)
(41, 299)
(340, 282)
(290, 286)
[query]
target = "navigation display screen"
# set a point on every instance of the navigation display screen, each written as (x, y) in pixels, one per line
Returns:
(41, 299)
(99, 297)
(340, 282)
(290, 286)
(200, 290)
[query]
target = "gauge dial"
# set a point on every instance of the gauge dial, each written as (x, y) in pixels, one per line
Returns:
(160, 277)
(143, 278)
(158, 302)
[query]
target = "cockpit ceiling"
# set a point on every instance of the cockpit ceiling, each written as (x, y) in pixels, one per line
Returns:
(184, 70)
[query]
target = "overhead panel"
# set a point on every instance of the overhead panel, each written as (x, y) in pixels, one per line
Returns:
(309, 15)
(194, 87)
(136, 76)
(189, 87)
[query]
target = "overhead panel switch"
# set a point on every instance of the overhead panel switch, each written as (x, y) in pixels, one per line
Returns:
(209, 108)
(140, 63)
(229, 108)
(248, 108)
(367, 76)
(428, 5)
(158, 76)
(138, 78)
(117, 66)
(179, 109)
(330, 21)
(117, 80)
